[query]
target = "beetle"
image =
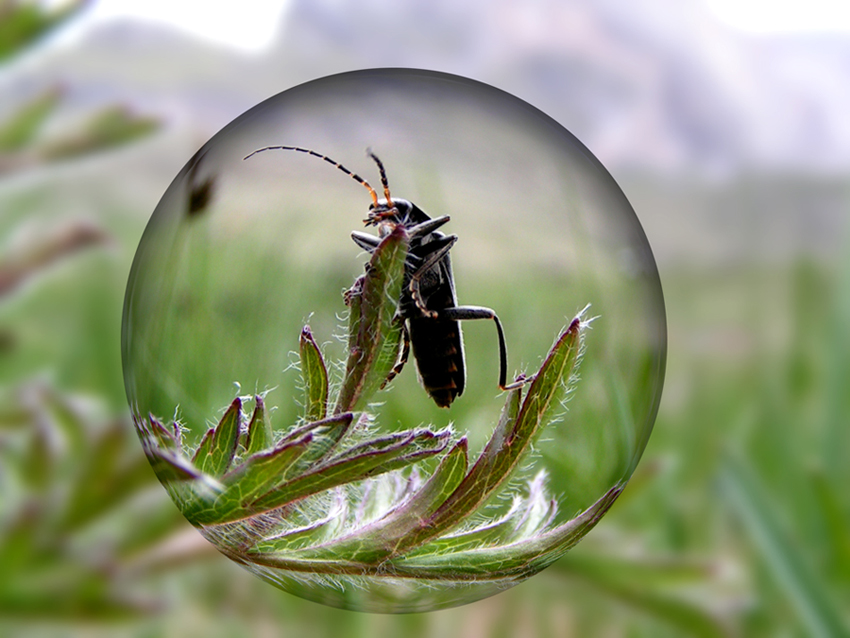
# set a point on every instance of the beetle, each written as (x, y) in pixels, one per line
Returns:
(428, 306)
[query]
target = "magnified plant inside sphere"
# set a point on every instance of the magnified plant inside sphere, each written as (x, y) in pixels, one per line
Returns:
(351, 430)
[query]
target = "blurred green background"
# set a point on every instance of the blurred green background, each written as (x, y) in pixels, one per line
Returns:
(733, 150)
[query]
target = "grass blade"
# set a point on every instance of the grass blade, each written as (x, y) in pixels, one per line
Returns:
(808, 595)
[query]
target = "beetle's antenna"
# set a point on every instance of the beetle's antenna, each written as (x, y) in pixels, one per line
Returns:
(354, 176)
(384, 181)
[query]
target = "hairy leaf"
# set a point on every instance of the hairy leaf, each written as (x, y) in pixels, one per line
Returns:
(256, 475)
(373, 543)
(370, 459)
(315, 376)
(374, 331)
(259, 435)
(514, 433)
(218, 447)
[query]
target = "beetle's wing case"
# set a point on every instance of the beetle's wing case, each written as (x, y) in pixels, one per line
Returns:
(438, 343)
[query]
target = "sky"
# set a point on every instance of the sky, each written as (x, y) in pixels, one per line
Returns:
(772, 16)
(250, 25)
(247, 25)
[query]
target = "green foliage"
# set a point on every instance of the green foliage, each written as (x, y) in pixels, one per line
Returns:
(653, 586)
(110, 127)
(436, 528)
(23, 22)
(77, 528)
(68, 533)
(21, 128)
(673, 557)
(814, 605)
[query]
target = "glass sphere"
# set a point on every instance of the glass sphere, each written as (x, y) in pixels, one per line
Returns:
(258, 337)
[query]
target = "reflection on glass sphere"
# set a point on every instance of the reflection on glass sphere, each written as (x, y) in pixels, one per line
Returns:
(258, 338)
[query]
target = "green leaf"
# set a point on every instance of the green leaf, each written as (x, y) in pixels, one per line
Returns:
(373, 543)
(548, 392)
(312, 532)
(21, 128)
(160, 436)
(259, 435)
(326, 433)
(19, 549)
(516, 430)
(315, 376)
(506, 561)
(537, 512)
(204, 449)
(58, 410)
(21, 23)
(369, 459)
(256, 475)
(164, 453)
(808, 595)
(112, 126)
(37, 465)
(171, 467)
(263, 470)
(488, 533)
(374, 329)
(218, 447)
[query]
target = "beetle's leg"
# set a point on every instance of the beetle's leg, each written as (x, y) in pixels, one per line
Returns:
(355, 290)
(464, 313)
(405, 353)
(366, 241)
(370, 243)
(441, 248)
(428, 226)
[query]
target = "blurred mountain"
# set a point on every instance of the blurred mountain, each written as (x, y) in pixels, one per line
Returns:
(659, 85)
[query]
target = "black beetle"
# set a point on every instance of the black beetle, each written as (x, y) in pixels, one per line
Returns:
(428, 299)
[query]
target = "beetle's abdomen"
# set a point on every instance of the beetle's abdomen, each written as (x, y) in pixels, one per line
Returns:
(438, 351)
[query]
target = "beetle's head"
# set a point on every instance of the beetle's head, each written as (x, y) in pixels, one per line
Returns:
(386, 215)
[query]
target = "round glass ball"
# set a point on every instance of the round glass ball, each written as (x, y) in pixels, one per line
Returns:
(258, 337)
